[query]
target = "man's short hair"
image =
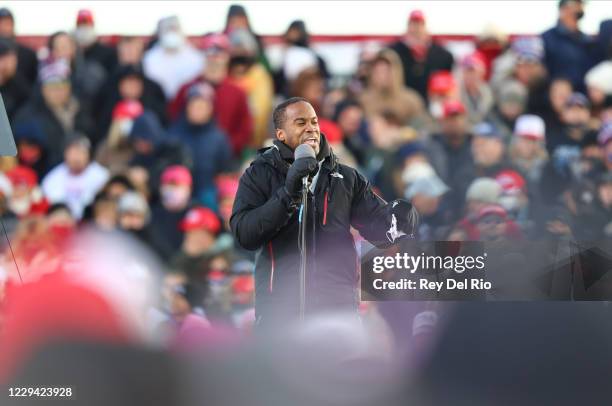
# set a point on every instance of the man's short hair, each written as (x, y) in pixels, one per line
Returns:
(279, 114)
(564, 2)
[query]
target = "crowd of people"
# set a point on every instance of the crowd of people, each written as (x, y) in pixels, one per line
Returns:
(149, 137)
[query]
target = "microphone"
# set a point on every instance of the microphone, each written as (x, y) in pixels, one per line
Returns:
(304, 151)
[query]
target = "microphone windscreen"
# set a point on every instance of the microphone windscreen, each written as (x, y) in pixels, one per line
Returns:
(304, 151)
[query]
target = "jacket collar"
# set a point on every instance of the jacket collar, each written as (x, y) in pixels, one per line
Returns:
(286, 152)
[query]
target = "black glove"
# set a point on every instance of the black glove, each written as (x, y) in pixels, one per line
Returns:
(301, 168)
(406, 216)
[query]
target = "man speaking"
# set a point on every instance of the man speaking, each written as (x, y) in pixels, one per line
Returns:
(267, 214)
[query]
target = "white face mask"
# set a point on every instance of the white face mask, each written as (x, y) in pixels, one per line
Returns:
(85, 35)
(435, 109)
(20, 206)
(175, 198)
(171, 40)
(125, 126)
(510, 203)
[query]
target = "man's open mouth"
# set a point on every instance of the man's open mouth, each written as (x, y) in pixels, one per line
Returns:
(312, 141)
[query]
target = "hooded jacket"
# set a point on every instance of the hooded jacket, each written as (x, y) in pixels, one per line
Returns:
(211, 153)
(263, 219)
(406, 103)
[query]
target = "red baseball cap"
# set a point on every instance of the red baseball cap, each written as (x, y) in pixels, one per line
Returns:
(176, 174)
(417, 15)
(441, 82)
(201, 218)
(243, 284)
(20, 175)
(511, 181)
(127, 109)
(453, 108)
(474, 61)
(492, 210)
(227, 186)
(85, 17)
(215, 41)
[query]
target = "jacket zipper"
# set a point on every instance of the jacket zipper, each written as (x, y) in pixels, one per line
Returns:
(325, 200)
(271, 252)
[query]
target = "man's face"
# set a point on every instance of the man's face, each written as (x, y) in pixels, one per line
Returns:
(132, 220)
(238, 22)
(572, 10)
(511, 109)
(576, 115)
(301, 126)
(56, 94)
(526, 148)
(487, 151)
(130, 50)
(199, 111)
(560, 91)
(131, 88)
(425, 205)
(7, 27)
(76, 158)
(217, 61)
(199, 240)
(63, 48)
(491, 227)
(8, 66)
(528, 72)
(454, 127)
(381, 75)
(350, 120)
(417, 29)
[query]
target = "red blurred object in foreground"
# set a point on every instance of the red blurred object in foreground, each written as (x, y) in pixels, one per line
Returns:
(54, 308)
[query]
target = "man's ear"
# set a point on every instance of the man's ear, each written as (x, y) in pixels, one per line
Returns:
(280, 134)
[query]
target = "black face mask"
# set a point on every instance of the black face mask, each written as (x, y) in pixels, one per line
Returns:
(579, 15)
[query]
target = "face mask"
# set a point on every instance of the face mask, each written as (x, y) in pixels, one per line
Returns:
(510, 203)
(20, 206)
(85, 35)
(62, 232)
(125, 126)
(29, 154)
(435, 109)
(175, 197)
(171, 40)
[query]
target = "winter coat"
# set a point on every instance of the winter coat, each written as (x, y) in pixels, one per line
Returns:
(455, 166)
(152, 97)
(568, 54)
(15, 93)
(404, 102)
(27, 63)
(104, 55)
(211, 153)
(231, 108)
(416, 73)
(56, 136)
(265, 220)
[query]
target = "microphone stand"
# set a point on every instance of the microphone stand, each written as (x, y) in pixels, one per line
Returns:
(303, 216)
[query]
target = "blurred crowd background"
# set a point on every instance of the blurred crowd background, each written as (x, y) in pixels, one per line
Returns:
(147, 137)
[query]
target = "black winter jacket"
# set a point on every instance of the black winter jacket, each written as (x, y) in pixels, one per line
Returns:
(263, 219)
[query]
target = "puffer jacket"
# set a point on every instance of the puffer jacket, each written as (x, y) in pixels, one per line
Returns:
(263, 219)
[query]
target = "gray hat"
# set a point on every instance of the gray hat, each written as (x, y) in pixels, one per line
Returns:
(431, 186)
(133, 202)
(485, 190)
(513, 91)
